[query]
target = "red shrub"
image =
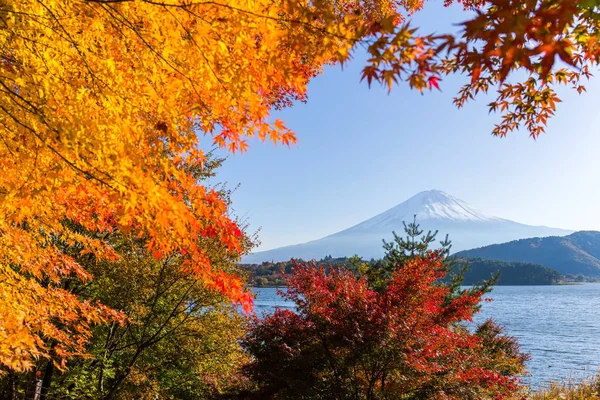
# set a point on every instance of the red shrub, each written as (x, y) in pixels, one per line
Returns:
(347, 341)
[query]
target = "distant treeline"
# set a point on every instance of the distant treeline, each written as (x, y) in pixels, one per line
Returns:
(273, 273)
(478, 269)
(576, 256)
(511, 272)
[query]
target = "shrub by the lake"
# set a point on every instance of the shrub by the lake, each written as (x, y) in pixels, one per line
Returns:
(348, 341)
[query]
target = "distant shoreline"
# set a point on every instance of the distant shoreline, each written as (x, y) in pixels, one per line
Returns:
(524, 285)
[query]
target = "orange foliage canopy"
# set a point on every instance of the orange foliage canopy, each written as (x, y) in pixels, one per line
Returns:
(103, 108)
(104, 105)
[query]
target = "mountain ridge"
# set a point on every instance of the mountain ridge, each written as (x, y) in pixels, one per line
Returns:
(435, 204)
(576, 254)
(466, 226)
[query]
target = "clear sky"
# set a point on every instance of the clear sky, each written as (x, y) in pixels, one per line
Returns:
(361, 151)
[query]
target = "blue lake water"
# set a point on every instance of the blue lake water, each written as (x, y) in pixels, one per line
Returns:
(558, 325)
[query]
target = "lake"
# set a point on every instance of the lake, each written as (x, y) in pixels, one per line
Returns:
(558, 325)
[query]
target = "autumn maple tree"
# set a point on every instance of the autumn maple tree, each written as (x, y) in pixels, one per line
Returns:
(180, 337)
(347, 341)
(103, 107)
(106, 105)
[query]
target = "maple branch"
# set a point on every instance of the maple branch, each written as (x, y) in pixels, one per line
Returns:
(87, 174)
(186, 7)
(129, 25)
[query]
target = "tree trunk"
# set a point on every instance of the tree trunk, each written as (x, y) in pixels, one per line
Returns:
(46, 381)
(11, 393)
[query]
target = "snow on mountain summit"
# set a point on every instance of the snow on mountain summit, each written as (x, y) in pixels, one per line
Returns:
(466, 227)
(427, 205)
(436, 204)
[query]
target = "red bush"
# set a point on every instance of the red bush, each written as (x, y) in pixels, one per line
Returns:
(347, 341)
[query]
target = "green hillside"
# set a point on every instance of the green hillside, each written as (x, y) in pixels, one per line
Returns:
(511, 272)
(576, 254)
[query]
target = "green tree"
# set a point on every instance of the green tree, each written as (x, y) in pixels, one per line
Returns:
(179, 339)
(417, 243)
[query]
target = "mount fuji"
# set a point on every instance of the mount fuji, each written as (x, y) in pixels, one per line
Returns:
(466, 226)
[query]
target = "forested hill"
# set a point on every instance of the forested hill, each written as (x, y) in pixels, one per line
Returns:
(575, 254)
(511, 273)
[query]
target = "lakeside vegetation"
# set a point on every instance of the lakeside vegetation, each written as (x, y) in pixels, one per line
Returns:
(118, 251)
(269, 274)
(392, 329)
(387, 329)
(586, 389)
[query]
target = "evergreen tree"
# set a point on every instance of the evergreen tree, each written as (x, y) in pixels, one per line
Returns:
(416, 243)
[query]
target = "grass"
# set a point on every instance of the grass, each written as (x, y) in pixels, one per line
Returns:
(587, 389)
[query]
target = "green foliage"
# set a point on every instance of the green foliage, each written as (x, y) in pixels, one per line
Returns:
(509, 272)
(180, 339)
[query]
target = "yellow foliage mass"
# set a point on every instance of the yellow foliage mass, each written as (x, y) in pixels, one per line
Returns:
(105, 107)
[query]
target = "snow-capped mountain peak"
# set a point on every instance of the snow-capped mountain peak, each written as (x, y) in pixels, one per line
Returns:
(466, 226)
(427, 205)
(436, 204)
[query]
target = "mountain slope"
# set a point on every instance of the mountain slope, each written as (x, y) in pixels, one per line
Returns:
(511, 272)
(435, 210)
(578, 253)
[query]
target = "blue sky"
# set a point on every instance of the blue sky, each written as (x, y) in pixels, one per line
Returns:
(361, 151)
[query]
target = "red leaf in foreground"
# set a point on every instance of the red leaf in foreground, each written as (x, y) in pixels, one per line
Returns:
(433, 82)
